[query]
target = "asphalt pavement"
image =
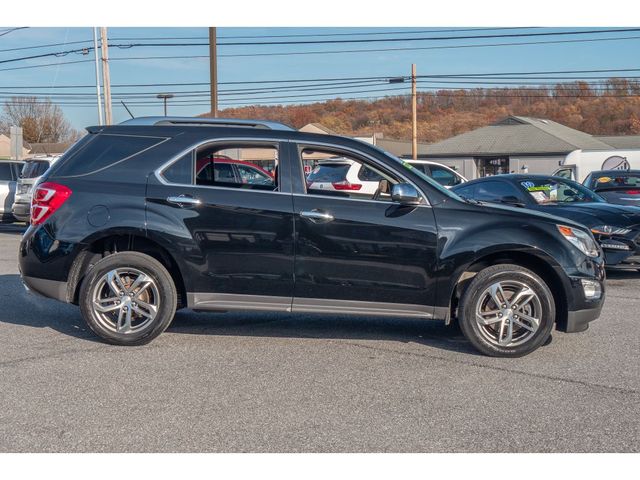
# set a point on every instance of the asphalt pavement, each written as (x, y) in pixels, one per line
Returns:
(256, 382)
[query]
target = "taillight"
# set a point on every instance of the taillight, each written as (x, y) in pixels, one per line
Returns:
(344, 185)
(633, 192)
(47, 198)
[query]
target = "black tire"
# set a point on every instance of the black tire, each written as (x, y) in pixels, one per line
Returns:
(481, 336)
(163, 288)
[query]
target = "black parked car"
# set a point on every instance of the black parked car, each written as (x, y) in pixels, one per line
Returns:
(616, 227)
(124, 227)
(616, 186)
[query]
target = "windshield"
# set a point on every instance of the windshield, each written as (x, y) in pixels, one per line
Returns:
(420, 174)
(617, 180)
(34, 168)
(554, 191)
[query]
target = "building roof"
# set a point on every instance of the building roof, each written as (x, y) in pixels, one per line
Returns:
(517, 135)
(400, 148)
(620, 141)
(317, 128)
(48, 148)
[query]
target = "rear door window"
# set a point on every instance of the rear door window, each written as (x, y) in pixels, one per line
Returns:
(34, 168)
(6, 175)
(103, 151)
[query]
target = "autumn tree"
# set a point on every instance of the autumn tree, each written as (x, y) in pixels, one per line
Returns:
(41, 120)
(608, 107)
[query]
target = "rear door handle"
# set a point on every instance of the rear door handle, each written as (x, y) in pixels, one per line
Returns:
(317, 216)
(184, 200)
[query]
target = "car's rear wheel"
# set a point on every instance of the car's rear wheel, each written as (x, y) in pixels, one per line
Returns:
(507, 311)
(128, 298)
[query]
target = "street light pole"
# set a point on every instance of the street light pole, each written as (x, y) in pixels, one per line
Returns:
(165, 97)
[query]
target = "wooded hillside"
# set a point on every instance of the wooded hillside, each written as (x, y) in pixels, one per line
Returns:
(611, 107)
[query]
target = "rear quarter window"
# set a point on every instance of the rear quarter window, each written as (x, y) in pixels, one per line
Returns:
(103, 151)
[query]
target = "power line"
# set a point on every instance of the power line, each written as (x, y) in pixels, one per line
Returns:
(55, 64)
(305, 42)
(309, 90)
(394, 32)
(451, 78)
(384, 40)
(9, 30)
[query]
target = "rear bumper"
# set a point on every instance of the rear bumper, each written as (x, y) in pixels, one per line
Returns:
(46, 288)
(22, 211)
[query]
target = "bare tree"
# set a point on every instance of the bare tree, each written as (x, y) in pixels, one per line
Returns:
(41, 120)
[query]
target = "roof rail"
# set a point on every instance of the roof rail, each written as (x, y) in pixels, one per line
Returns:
(196, 121)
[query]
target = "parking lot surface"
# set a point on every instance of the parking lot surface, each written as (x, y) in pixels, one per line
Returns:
(289, 383)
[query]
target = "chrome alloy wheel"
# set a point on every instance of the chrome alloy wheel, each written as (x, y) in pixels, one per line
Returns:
(508, 313)
(125, 300)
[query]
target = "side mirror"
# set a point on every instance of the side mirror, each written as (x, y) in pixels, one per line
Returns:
(405, 194)
(511, 200)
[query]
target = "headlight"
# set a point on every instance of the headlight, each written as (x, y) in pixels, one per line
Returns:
(609, 230)
(580, 239)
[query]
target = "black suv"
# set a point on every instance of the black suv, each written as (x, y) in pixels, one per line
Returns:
(134, 222)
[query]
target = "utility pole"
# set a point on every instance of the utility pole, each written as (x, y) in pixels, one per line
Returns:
(106, 78)
(414, 114)
(213, 70)
(99, 95)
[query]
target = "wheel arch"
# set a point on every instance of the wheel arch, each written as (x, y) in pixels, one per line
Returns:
(99, 246)
(541, 264)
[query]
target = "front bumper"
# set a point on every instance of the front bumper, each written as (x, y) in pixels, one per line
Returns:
(578, 320)
(583, 305)
(621, 252)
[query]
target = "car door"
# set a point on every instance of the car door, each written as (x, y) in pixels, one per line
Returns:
(360, 255)
(236, 237)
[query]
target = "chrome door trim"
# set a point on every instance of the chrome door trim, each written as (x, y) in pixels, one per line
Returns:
(232, 301)
(317, 216)
(240, 302)
(358, 307)
(184, 200)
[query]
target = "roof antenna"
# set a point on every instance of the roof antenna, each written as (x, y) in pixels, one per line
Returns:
(128, 111)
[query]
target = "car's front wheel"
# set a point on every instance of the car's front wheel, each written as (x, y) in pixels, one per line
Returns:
(128, 298)
(507, 311)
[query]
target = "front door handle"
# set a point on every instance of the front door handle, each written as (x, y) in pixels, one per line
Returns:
(317, 216)
(184, 200)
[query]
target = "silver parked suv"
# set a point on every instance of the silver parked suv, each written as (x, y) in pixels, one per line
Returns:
(32, 170)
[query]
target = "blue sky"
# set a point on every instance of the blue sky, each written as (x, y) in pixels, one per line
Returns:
(237, 68)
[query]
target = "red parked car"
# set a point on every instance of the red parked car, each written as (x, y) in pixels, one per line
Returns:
(221, 168)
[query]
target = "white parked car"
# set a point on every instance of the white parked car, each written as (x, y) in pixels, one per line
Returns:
(342, 174)
(445, 176)
(9, 172)
(32, 171)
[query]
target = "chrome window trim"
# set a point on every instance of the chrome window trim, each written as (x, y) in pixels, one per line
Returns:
(374, 160)
(158, 171)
